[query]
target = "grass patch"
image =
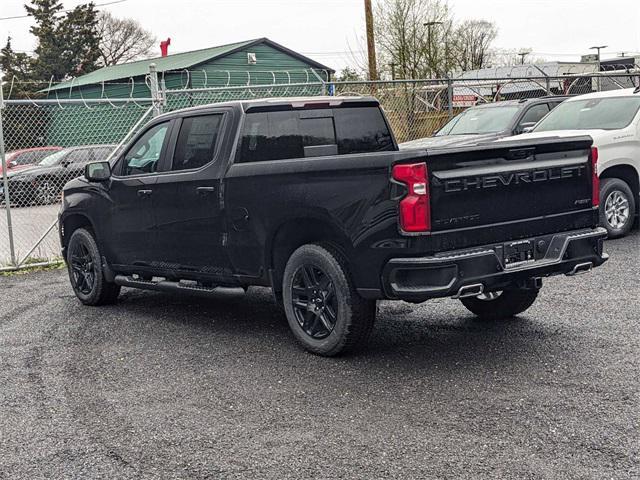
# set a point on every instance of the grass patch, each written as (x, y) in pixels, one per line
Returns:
(34, 264)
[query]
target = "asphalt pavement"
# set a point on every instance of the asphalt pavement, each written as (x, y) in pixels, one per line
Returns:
(162, 386)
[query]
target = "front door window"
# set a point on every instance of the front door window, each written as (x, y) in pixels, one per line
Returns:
(143, 157)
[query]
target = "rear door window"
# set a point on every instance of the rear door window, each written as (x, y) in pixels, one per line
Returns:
(197, 140)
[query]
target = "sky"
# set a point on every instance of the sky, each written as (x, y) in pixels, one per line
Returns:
(332, 31)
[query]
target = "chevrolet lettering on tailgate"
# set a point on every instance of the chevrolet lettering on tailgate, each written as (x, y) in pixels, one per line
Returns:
(515, 178)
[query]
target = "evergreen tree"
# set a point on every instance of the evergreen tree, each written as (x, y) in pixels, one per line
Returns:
(78, 32)
(67, 43)
(16, 71)
(47, 60)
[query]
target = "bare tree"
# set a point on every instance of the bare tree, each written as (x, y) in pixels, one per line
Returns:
(122, 40)
(413, 35)
(473, 39)
(509, 58)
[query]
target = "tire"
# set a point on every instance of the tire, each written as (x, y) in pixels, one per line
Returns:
(329, 317)
(45, 193)
(84, 264)
(617, 207)
(500, 305)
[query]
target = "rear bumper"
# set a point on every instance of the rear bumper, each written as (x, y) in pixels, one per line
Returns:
(472, 271)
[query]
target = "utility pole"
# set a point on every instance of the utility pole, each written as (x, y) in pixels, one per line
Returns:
(598, 48)
(393, 70)
(522, 55)
(371, 45)
(429, 42)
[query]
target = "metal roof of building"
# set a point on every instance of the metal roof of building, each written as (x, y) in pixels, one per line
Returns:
(550, 69)
(177, 61)
(519, 78)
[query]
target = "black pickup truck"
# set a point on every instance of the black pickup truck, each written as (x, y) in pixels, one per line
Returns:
(311, 197)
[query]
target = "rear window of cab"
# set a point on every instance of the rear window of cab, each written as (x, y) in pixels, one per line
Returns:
(287, 134)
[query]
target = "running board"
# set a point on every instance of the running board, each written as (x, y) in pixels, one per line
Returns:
(170, 286)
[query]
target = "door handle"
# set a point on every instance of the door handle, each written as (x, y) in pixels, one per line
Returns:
(144, 193)
(205, 190)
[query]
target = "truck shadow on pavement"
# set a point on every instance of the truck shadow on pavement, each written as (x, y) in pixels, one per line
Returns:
(413, 335)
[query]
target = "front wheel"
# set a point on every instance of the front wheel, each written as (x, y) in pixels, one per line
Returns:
(84, 264)
(323, 309)
(617, 207)
(500, 305)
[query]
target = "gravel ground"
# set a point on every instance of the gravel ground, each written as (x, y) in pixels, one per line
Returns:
(174, 387)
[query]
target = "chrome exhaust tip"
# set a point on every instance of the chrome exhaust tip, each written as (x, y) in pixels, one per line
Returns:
(581, 268)
(470, 291)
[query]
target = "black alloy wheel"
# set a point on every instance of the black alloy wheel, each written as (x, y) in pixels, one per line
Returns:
(324, 311)
(86, 272)
(83, 271)
(314, 301)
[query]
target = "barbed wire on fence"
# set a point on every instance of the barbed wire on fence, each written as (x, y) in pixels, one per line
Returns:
(173, 79)
(204, 78)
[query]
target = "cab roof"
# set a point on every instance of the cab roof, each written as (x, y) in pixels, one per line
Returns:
(267, 103)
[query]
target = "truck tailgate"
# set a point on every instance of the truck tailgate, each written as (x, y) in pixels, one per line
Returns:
(511, 182)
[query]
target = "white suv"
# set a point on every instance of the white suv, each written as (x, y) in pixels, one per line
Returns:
(612, 119)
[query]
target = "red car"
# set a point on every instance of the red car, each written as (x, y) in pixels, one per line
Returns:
(21, 159)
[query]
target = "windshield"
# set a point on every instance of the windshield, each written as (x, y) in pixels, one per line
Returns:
(480, 120)
(53, 159)
(591, 114)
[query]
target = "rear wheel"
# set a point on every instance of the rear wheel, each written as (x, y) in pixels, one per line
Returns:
(84, 264)
(324, 311)
(500, 305)
(617, 207)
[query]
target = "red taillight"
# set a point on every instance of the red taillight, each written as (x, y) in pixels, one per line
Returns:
(414, 208)
(595, 193)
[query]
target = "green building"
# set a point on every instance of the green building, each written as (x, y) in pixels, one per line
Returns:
(210, 75)
(252, 62)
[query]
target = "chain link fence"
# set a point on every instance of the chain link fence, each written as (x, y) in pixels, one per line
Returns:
(47, 142)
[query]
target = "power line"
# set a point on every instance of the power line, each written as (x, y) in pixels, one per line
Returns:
(66, 10)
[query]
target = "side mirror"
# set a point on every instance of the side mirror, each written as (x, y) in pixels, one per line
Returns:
(97, 171)
(12, 164)
(525, 127)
